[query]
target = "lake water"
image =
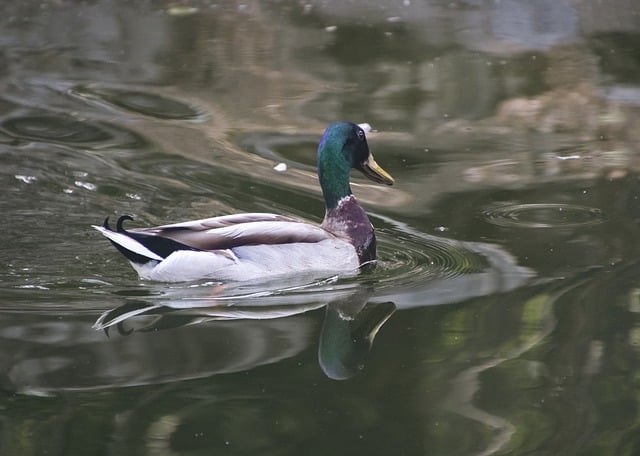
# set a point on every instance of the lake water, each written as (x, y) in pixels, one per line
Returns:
(503, 316)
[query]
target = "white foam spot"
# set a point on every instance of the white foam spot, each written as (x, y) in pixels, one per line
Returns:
(85, 185)
(26, 179)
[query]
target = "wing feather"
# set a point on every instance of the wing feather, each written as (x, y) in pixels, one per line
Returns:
(228, 232)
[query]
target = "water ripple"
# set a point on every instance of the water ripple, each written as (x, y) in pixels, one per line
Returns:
(141, 102)
(405, 259)
(543, 215)
(65, 130)
(295, 149)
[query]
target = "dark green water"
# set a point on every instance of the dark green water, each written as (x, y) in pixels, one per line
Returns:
(503, 316)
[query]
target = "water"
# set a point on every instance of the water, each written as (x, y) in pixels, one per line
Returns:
(502, 316)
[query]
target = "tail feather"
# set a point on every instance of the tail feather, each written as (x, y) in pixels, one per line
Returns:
(139, 247)
(132, 249)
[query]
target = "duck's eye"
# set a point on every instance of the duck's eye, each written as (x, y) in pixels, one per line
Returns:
(361, 135)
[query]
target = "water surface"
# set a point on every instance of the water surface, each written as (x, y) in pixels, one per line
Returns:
(502, 316)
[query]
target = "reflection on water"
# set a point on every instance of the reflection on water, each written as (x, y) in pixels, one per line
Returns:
(255, 324)
(50, 353)
(58, 129)
(512, 130)
(141, 102)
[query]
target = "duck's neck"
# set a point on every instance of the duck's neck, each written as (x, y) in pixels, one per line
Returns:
(333, 170)
(335, 186)
(347, 220)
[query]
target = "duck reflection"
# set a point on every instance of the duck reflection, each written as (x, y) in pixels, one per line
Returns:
(346, 337)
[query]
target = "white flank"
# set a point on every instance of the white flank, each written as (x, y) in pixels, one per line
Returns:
(256, 262)
(186, 265)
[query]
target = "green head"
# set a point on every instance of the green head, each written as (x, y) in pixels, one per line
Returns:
(344, 146)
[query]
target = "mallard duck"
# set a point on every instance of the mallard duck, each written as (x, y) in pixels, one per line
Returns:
(254, 246)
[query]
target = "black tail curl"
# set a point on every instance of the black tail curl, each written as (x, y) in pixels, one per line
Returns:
(157, 244)
(119, 222)
(121, 219)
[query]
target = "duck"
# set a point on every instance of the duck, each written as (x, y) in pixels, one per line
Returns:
(254, 246)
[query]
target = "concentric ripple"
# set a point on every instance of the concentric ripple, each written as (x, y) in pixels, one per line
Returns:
(145, 103)
(543, 215)
(405, 259)
(60, 129)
